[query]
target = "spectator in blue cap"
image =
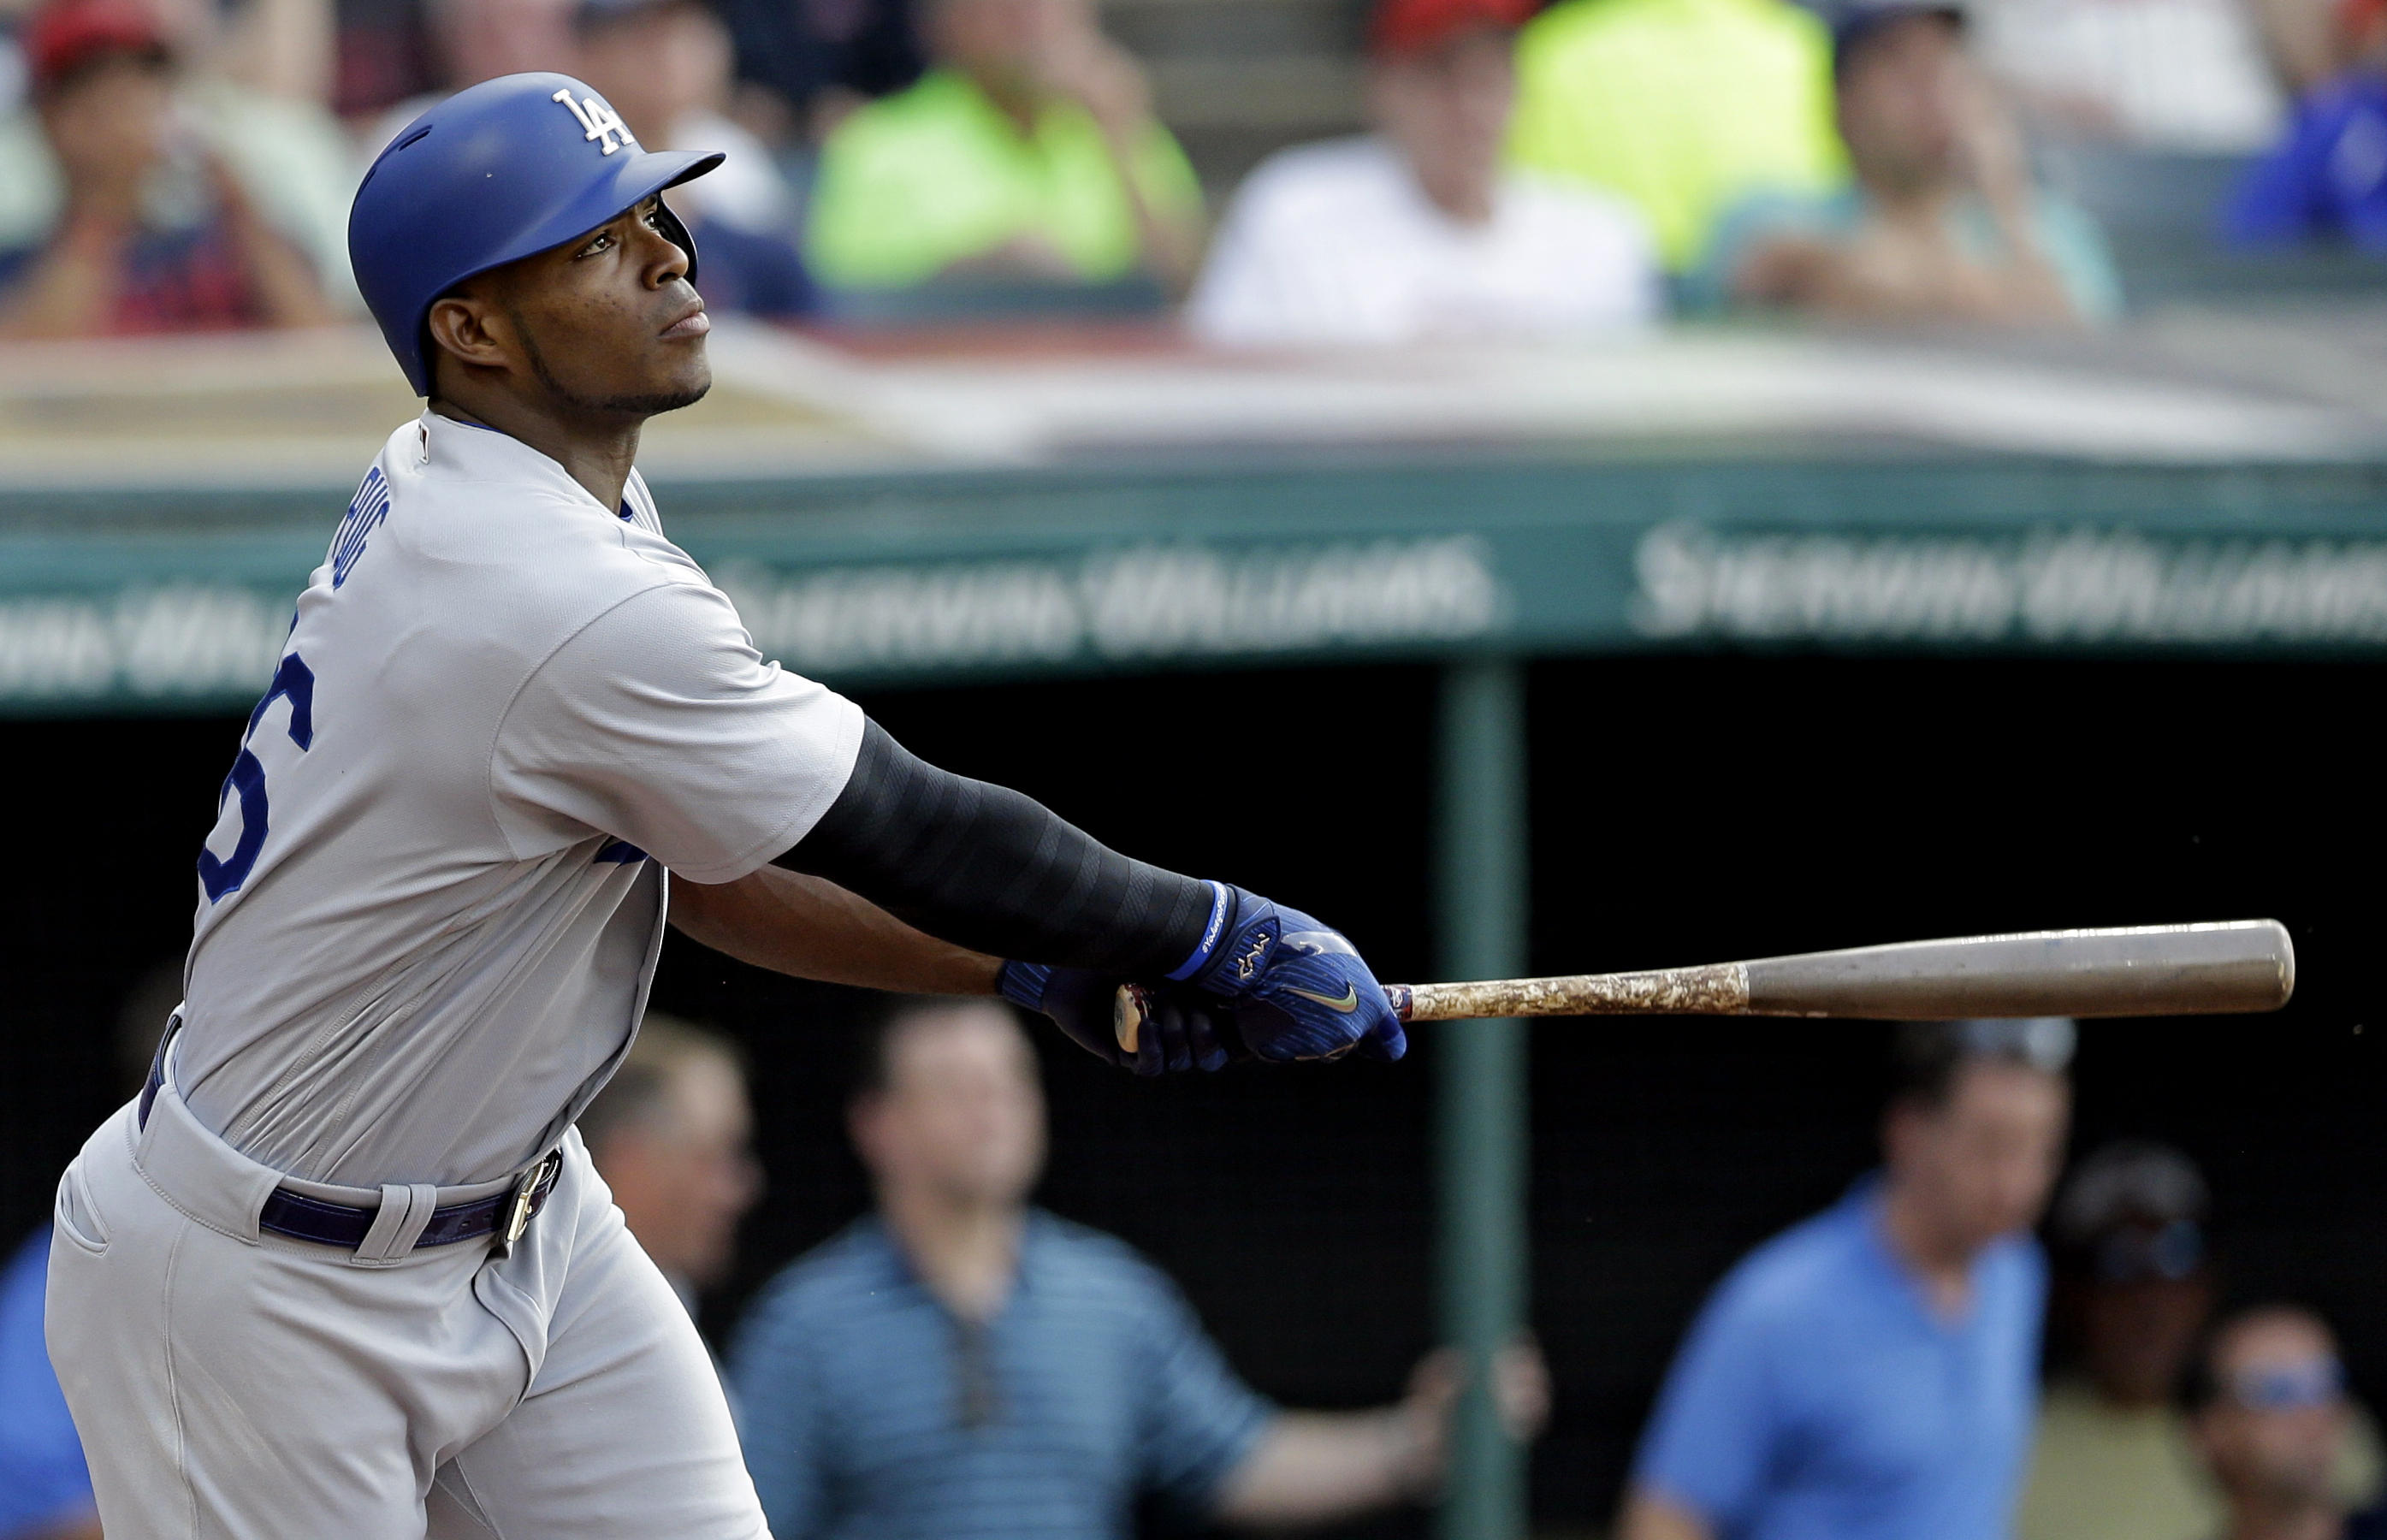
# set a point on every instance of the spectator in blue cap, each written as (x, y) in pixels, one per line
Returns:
(1941, 220)
(2133, 1288)
(1871, 1373)
(813, 61)
(665, 64)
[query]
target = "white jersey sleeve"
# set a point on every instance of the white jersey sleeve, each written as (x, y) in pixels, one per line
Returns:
(427, 917)
(658, 724)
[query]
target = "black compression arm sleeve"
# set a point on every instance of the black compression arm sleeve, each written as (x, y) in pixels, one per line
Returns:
(985, 867)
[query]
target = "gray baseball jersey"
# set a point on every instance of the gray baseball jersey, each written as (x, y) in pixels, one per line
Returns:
(432, 903)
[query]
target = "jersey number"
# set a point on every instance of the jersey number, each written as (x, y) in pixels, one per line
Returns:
(295, 682)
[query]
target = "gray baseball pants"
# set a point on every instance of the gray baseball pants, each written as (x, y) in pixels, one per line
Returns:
(233, 1384)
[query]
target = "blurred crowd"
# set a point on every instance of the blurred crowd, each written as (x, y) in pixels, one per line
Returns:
(961, 1364)
(957, 1362)
(1914, 1361)
(186, 164)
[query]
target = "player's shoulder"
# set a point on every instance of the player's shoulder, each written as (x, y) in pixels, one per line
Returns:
(482, 491)
(499, 535)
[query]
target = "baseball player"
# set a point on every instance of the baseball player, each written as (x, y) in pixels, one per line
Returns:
(343, 1267)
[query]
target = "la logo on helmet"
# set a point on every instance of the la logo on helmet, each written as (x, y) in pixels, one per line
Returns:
(597, 118)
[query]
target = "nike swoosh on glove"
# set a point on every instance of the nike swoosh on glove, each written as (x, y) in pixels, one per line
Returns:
(1295, 988)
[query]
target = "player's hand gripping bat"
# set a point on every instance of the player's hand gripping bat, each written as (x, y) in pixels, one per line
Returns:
(2229, 966)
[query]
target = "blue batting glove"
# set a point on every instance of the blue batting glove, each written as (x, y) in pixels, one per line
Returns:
(1178, 1033)
(1294, 988)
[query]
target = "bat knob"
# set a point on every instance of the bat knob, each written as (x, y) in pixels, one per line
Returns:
(1129, 1008)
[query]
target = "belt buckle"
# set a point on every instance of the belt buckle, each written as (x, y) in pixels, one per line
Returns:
(524, 1201)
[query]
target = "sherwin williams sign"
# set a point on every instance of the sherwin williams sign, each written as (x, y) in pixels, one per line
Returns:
(186, 643)
(922, 578)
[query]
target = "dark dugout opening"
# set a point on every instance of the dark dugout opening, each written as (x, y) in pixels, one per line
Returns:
(1685, 809)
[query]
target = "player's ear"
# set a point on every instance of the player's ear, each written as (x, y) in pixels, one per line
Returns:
(471, 329)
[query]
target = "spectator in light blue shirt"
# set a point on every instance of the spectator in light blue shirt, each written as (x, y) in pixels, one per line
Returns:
(961, 1366)
(1939, 220)
(44, 1487)
(1871, 1374)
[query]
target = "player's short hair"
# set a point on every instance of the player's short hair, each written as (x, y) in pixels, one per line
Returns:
(873, 1069)
(665, 1045)
(1927, 1057)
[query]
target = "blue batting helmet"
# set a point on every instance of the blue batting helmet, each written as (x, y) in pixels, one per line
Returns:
(495, 174)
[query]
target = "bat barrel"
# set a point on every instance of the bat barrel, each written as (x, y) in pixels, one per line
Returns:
(2237, 966)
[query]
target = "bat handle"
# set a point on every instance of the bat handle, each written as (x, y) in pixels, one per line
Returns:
(1132, 1003)
(1129, 1007)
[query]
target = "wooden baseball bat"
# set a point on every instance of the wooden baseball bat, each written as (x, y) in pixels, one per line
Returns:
(2220, 968)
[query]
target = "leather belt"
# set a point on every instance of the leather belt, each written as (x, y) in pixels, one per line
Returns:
(505, 1214)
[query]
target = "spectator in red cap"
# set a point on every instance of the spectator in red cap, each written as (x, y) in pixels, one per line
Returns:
(248, 83)
(156, 235)
(1416, 232)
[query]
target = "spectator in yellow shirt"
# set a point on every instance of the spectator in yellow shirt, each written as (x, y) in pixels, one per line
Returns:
(2115, 1458)
(1027, 152)
(1682, 108)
